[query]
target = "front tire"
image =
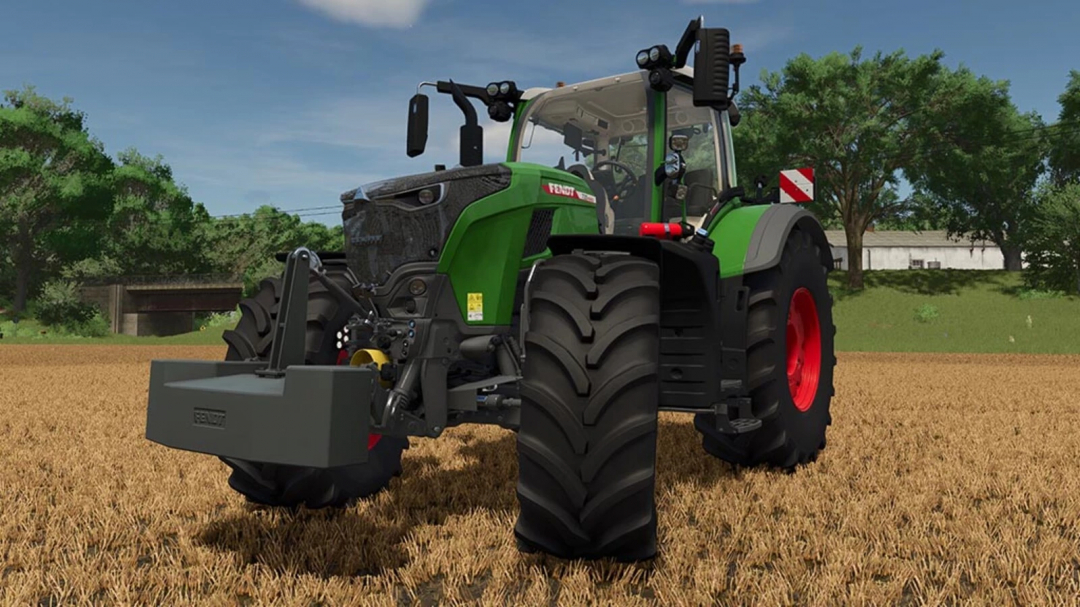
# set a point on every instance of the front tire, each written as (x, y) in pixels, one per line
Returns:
(589, 395)
(293, 486)
(790, 361)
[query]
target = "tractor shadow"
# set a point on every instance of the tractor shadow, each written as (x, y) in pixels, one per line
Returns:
(681, 460)
(369, 539)
(477, 475)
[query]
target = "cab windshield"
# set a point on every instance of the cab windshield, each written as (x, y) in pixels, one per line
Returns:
(601, 131)
(598, 129)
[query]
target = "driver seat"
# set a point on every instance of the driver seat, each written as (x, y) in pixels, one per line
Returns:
(605, 215)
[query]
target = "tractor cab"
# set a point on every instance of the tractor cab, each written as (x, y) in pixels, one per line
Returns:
(616, 132)
(653, 146)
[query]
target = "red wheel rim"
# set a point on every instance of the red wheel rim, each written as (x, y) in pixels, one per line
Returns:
(803, 349)
(372, 439)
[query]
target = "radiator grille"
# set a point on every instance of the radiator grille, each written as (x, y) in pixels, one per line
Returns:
(539, 231)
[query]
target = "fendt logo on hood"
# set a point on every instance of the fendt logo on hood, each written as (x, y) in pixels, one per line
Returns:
(567, 191)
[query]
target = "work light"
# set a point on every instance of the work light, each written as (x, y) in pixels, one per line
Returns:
(674, 165)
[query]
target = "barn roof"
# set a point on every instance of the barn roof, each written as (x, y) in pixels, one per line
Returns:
(902, 238)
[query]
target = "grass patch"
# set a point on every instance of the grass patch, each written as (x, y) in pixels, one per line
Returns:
(926, 313)
(30, 331)
(898, 311)
(953, 311)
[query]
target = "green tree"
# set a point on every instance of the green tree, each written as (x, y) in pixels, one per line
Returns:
(1052, 239)
(154, 228)
(924, 214)
(982, 181)
(54, 185)
(857, 122)
(1065, 137)
(245, 245)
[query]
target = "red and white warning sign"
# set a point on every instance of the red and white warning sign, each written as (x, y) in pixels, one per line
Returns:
(797, 185)
(567, 191)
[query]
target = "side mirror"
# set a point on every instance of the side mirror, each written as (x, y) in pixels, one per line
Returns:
(711, 67)
(417, 125)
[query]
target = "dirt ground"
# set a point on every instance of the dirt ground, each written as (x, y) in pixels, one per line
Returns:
(948, 479)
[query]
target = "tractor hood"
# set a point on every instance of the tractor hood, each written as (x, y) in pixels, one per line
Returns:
(407, 219)
(400, 188)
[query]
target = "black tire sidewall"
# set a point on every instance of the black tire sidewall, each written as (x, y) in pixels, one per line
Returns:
(805, 429)
(339, 486)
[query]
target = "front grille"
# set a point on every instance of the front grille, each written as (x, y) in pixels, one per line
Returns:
(391, 227)
(539, 231)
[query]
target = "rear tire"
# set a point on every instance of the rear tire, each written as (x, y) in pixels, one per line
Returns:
(293, 486)
(589, 397)
(794, 416)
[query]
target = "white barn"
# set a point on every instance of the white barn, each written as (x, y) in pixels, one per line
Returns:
(930, 249)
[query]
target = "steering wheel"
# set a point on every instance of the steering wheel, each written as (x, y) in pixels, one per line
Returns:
(626, 185)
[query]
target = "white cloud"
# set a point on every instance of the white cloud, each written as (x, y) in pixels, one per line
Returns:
(378, 13)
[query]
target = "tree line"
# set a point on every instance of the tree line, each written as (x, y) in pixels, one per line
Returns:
(979, 168)
(70, 211)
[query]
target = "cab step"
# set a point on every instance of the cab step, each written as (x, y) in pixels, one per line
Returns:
(736, 416)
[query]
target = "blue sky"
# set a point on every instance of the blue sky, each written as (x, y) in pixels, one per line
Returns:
(290, 102)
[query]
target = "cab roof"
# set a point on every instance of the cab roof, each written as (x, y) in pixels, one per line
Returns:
(532, 93)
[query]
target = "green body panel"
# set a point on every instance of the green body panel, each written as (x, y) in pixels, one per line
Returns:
(732, 237)
(483, 253)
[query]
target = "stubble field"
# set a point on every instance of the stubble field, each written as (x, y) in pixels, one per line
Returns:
(948, 479)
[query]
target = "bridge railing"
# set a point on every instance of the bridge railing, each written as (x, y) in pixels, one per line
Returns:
(162, 279)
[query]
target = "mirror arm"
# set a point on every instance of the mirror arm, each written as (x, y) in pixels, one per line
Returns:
(463, 104)
(689, 38)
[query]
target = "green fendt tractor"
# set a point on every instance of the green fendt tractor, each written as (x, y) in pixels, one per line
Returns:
(570, 304)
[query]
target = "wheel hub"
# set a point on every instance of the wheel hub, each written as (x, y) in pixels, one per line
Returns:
(803, 349)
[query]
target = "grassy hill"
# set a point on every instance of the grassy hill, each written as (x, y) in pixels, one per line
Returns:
(953, 311)
(899, 311)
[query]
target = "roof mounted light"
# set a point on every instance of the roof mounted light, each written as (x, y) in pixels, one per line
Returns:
(493, 89)
(655, 57)
(504, 88)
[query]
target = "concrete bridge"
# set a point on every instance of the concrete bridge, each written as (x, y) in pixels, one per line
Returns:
(161, 305)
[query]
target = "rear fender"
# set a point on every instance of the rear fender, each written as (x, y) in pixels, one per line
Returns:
(766, 244)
